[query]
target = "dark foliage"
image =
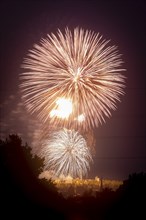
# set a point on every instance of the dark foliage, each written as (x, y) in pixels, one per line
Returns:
(23, 195)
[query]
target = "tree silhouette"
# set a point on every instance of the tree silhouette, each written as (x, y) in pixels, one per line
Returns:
(18, 158)
(20, 186)
(131, 196)
(20, 189)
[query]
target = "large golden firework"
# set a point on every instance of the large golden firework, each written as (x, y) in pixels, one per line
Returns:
(72, 79)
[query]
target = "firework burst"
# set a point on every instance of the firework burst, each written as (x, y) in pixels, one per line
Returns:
(79, 67)
(65, 153)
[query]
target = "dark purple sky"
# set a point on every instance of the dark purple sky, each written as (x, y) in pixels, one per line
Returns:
(121, 142)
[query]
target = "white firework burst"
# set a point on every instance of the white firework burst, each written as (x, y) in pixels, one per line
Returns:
(77, 70)
(65, 153)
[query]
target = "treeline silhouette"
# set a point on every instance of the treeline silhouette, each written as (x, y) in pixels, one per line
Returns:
(23, 195)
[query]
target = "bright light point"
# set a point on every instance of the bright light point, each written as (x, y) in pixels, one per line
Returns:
(81, 118)
(64, 108)
(53, 113)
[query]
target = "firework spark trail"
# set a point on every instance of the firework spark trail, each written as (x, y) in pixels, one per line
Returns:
(78, 66)
(65, 153)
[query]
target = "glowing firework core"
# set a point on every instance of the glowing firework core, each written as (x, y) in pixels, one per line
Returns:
(77, 75)
(64, 108)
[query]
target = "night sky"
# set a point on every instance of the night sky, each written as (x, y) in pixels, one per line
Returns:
(121, 141)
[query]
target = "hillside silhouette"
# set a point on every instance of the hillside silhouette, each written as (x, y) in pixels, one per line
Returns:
(23, 195)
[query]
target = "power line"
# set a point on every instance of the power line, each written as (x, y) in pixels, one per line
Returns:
(120, 136)
(127, 158)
